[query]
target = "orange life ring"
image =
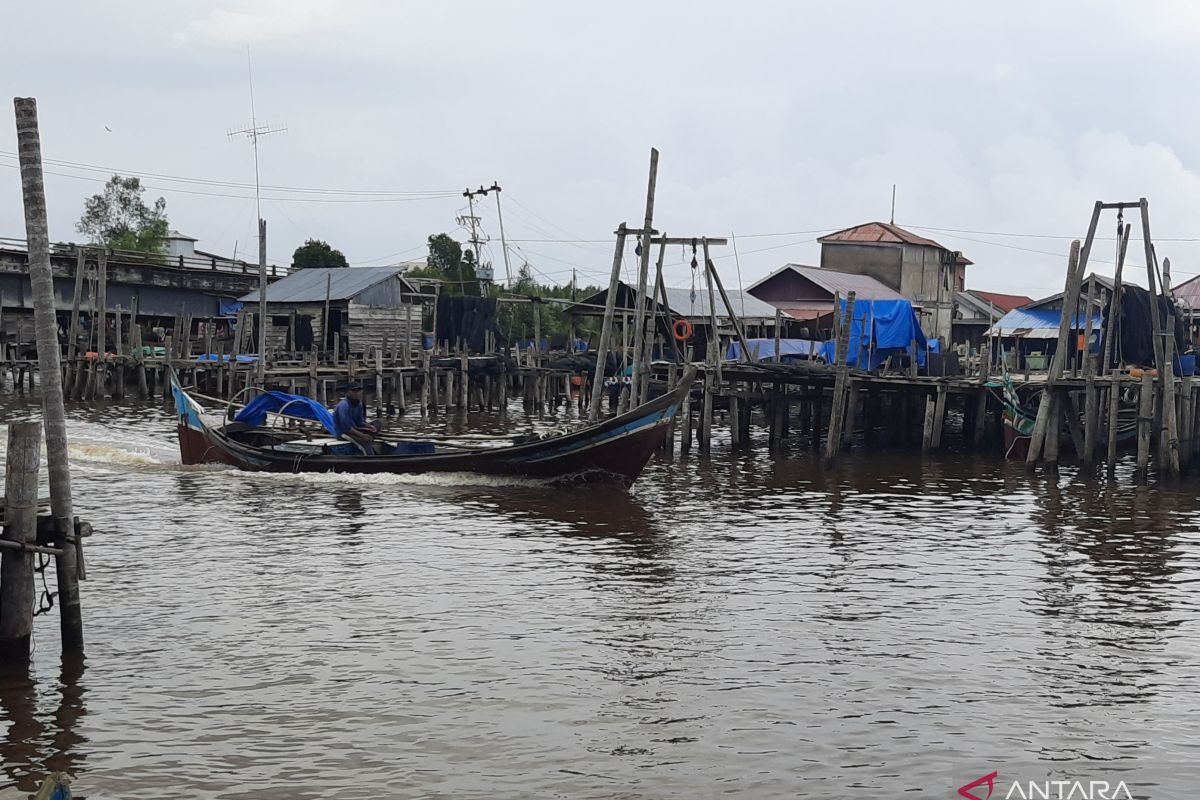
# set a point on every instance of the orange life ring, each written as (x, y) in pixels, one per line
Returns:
(682, 329)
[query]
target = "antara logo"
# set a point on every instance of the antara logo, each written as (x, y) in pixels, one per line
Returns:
(989, 779)
(982, 789)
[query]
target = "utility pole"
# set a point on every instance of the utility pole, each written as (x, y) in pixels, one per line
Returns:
(473, 220)
(503, 241)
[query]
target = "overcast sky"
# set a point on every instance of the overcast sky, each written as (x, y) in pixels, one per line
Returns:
(1001, 123)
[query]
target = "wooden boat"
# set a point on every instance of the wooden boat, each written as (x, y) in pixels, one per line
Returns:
(615, 450)
(1019, 420)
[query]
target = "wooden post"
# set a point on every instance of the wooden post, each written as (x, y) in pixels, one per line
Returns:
(17, 590)
(734, 320)
(706, 409)
(842, 358)
(778, 335)
(464, 381)
(939, 416)
(1053, 434)
(647, 347)
(1114, 403)
(639, 318)
(1145, 420)
(610, 301)
(685, 413)
(672, 380)
(715, 351)
(735, 428)
(73, 330)
(1091, 421)
(42, 280)
(1076, 265)
(1112, 324)
(851, 412)
(981, 400)
(378, 381)
(100, 324)
(927, 429)
(1151, 263)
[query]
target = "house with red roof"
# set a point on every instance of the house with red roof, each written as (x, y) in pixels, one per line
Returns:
(975, 311)
(918, 268)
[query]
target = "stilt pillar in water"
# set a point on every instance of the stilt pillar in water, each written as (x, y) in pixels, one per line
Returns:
(1114, 406)
(17, 589)
(1091, 421)
(927, 429)
(735, 416)
(1145, 421)
(1053, 434)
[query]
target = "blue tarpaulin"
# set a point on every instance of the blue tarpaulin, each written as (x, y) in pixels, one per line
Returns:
(228, 308)
(255, 412)
(765, 348)
(1038, 323)
(207, 357)
(891, 327)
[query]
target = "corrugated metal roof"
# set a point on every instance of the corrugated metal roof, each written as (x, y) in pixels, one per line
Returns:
(1188, 293)
(308, 285)
(843, 283)
(879, 232)
(1004, 302)
(744, 305)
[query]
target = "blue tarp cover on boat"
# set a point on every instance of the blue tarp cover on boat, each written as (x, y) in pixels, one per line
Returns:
(255, 412)
(891, 327)
(765, 348)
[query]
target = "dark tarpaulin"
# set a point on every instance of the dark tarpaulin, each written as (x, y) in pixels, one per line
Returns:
(467, 318)
(1135, 328)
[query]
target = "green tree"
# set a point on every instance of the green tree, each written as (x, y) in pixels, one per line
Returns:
(451, 264)
(316, 253)
(118, 218)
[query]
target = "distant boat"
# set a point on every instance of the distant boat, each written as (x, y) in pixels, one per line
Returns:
(614, 450)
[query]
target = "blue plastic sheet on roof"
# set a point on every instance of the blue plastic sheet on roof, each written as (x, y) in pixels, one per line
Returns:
(765, 348)
(891, 327)
(1040, 319)
(228, 308)
(255, 412)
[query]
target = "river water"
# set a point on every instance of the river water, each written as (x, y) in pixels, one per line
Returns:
(739, 626)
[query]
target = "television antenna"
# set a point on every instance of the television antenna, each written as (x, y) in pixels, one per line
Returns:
(253, 133)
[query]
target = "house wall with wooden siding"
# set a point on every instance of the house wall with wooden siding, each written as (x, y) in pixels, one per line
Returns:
(370, 324)
(277, 332)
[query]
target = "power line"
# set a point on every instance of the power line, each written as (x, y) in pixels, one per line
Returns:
(177, 190)
(231, 184)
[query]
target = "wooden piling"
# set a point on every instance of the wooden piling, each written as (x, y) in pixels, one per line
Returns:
(1076, 264)
(17, 589)
(1053, 433)
(842, 359)
(1114, 404)
(607, 324)
(1145, 420)
(53, 411)
(1091, 419)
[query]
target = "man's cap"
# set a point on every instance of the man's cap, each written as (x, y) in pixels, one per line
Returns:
(353, 385)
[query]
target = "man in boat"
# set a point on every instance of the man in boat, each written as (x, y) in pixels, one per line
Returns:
(350, 420)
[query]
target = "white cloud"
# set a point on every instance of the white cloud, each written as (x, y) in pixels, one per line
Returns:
(256, 22)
